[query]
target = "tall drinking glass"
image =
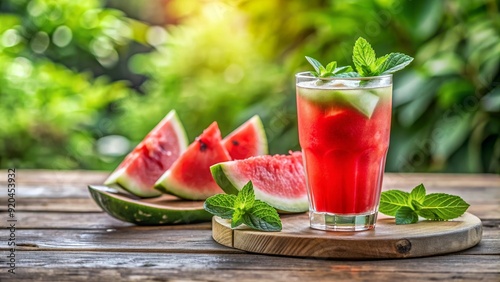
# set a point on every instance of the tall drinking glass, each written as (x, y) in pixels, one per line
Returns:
(344, 126)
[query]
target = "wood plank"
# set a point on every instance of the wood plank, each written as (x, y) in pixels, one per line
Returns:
(56, 205)
(147, 273)
(118, 240)
(158, 239)
(37, 176)
(245, 267)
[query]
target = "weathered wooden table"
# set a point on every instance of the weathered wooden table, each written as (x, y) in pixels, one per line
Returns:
(61, 235)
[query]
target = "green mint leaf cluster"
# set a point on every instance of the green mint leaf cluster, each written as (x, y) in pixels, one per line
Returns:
(365, 62)
(407, 207)
(244, 209)
(331, 70)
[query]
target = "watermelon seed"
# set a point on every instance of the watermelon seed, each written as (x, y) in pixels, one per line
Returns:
(235, 142)
(203, 146)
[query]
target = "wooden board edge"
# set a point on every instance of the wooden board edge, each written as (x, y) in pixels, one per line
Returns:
(221, 233)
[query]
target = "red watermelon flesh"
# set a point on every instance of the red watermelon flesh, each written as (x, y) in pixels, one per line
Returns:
(140, 169)
(189, 177)
(278, 180)
(246, 141)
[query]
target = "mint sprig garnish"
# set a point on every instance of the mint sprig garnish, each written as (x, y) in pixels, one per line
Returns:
(331, 70)
(244, 209)
(407, 207)
(365, 62)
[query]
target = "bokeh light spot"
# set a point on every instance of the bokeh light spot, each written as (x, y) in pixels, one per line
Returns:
(156, 35)
(20, 67)
(62, 36)
(40, 42)
(113, 145)
(10, 38)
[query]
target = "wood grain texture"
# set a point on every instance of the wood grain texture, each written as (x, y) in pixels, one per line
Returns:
(118, 266)
(388, 240)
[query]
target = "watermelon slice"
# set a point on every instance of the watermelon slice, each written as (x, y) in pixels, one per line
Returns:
(189, 177)
(246, 141)
(164, 210)
(140, 169)
(278, 180)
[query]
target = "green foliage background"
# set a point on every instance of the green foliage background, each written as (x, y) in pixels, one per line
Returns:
(75, 75)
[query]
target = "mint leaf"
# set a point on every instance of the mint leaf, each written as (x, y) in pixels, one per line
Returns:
(441, 206)
(331, 67)
(365, 62)
(244, 208)
(262, 217)
(220, 205)
(331, 70)
(380, 61)
(391, 201)
(406, 215)
(245, 198)
(363, 57)
(407, 207)
(341, 70)
(417, 194)
(394, 62)
(237, 218)
(347, 74)
(315, 63)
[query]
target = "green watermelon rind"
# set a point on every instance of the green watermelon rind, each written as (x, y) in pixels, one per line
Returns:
(263, 145)
(168, 185)
(256, 122)
(120, 180)
(221, 173)
(133, 211)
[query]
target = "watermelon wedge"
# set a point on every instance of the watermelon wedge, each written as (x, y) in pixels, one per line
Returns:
(248, 140)
(140, 169)
(278, 180)
(189, 177)
(164, 210)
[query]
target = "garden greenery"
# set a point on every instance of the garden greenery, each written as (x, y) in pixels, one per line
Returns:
(71, 73)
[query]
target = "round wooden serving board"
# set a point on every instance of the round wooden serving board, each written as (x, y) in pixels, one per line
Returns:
(387, 240)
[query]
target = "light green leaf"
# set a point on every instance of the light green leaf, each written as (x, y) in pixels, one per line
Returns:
(331, 66)
(315, 63)
(245, 198)
(220, 205)
(441, 206)
(395, 62)
(417, 194)
(363, 57)
(237, 218)
(344, 69)
(262, 217)
(391, 201)
(380, 61)
(406, 215)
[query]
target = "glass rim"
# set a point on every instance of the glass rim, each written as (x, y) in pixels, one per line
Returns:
(307, 74)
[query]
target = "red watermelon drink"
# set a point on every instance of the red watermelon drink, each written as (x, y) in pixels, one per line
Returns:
(344, 126)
